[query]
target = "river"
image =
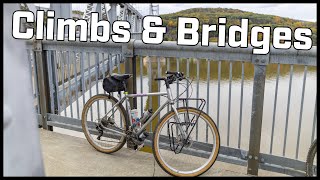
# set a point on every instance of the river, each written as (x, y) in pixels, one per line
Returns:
(212, 99)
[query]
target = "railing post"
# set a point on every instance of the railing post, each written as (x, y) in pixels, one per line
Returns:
(260, 62)
(43, 83)
(130, 68)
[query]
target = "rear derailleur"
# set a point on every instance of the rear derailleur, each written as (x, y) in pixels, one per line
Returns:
(99, 128)
(105, 121)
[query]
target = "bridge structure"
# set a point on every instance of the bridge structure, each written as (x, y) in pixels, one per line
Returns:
(108, 11)
(67, 74)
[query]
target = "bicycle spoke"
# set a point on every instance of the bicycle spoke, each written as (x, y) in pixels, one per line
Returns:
(190, 155)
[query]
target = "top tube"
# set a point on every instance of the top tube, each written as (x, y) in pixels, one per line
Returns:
(148, 94)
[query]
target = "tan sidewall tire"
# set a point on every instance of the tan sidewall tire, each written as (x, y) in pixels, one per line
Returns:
(155, 142)
(310, 158)
(84, 120)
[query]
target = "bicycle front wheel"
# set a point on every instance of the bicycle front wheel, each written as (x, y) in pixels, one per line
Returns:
(193, 155)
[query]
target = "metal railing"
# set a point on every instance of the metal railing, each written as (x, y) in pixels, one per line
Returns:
(83, 64)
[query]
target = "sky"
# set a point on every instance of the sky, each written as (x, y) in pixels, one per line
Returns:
(299, 11)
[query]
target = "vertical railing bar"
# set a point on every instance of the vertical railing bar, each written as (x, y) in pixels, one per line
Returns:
(314, 120)
(89, 72)
(168, 69)
(97, 69)
(103, 67)
(63, 87)
(76, 81)
(118, 57)
(187, 76)
(288, 108)
(229, 104)
(110, 70)
(48, 54)
(49, 66)
(159, 83)
(56, 80)
(70, 94)
(150, 86)
(274, 108)
(110, 62)
(241, 104)
(104, 75)
(36, 83)
(177, 82)
(208, 87)
(97, 82)
(301, 109)
(218, 98)
(141, 84)
(177, 69)
(197, 133)
(89, 76)
(83, 89)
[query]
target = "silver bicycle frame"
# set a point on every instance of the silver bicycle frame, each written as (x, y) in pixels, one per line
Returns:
(170, 101)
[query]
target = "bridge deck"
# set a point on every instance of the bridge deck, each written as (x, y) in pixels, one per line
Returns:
(66, 155)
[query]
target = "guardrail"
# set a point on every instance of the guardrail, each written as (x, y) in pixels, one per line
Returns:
(98, 59)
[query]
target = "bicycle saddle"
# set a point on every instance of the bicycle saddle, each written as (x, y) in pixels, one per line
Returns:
(121, 77)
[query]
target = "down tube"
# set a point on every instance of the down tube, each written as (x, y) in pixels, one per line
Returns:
(153, 116)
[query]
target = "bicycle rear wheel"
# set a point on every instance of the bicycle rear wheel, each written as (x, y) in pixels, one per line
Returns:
(312, 160)
(101, 138)
(192, 157)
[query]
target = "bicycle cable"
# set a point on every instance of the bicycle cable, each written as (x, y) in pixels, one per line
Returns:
(186, 86)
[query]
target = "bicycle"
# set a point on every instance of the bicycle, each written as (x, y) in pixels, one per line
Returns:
(311, 167)
(177, 147)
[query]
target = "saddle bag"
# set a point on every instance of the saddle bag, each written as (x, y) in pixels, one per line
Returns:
(110, 84)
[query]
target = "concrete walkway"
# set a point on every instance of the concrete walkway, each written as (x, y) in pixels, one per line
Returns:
(66, 155)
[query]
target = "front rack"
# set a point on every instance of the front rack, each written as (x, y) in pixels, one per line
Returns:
(177, 147)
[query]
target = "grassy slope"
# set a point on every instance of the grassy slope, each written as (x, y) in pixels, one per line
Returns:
(211, 15)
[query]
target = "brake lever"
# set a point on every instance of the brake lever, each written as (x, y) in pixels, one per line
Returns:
(181, 78)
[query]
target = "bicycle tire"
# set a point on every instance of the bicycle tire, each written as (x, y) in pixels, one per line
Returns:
(84, 121)
(155, 141)
(310, 158)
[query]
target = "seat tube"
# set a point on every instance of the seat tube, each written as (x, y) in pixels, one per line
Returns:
(128, 108)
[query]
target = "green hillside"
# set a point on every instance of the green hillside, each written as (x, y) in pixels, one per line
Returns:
(211, 15)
